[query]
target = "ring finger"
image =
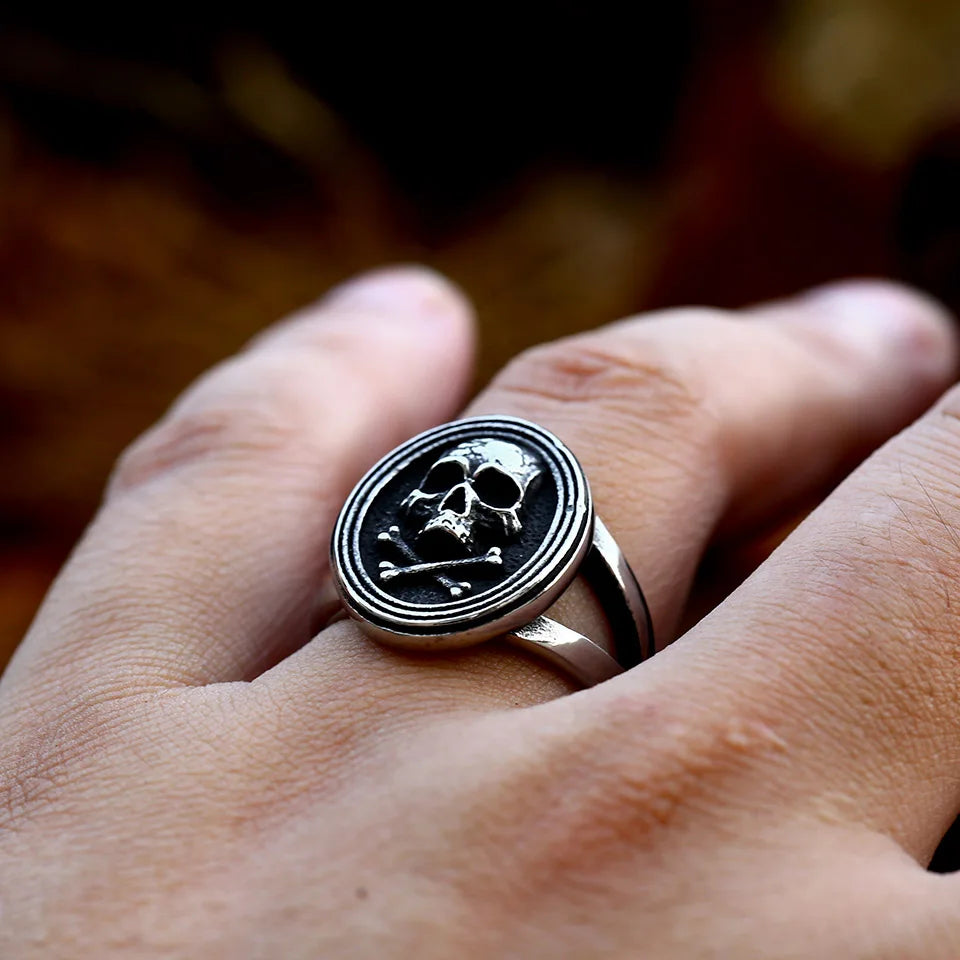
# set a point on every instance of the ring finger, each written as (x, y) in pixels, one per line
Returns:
(686, 421)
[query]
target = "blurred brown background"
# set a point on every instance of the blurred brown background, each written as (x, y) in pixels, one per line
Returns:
(171, 182)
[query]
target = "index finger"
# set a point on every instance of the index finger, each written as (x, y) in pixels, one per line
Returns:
(842, 652)
(207, 559)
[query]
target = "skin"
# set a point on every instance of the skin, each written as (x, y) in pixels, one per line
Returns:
(191, 767)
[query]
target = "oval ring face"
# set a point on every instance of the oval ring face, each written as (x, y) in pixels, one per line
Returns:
(464, 533)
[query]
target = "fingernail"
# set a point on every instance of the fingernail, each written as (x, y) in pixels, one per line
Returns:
(876, 315)
(409, 291)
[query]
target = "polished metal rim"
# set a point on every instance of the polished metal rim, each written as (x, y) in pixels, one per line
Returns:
(461, 479)
(499, 608)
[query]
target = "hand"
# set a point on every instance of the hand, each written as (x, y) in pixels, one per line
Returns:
(184, 772)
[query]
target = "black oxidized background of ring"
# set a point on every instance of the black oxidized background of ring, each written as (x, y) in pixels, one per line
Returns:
(537, 515)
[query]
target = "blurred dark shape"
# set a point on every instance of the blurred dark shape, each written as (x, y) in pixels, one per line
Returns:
(452, 114)
(946, 859)
(928, 223)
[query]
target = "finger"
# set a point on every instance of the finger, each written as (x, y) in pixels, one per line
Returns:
(845, 643)
(692, 421)
(690, 417)
(206, 559)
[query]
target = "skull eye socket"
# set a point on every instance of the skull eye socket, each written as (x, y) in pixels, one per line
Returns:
(443, 476)
(496, 488)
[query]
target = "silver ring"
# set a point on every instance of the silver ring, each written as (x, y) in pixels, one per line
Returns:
(472, 530)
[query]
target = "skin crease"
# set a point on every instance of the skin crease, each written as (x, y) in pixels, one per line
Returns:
(188, 770)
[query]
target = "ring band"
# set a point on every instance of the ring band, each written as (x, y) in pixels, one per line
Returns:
(471, 531)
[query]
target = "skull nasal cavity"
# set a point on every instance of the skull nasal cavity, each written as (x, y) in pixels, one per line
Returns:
(456, 500)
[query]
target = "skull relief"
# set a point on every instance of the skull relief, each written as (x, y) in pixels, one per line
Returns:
(474, 491)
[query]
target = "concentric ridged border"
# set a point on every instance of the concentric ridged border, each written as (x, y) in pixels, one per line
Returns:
(496, 610)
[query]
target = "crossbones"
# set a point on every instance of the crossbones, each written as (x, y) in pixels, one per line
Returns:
(457, 588)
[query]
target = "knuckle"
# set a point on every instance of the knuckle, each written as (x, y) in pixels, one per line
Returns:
(38, 760)
(28, 778)
(912, 566)
(588, 370)
(52, 753)
(918, 534)
(683, 764)
(245, 408)
(641, 376)
(626, 788)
